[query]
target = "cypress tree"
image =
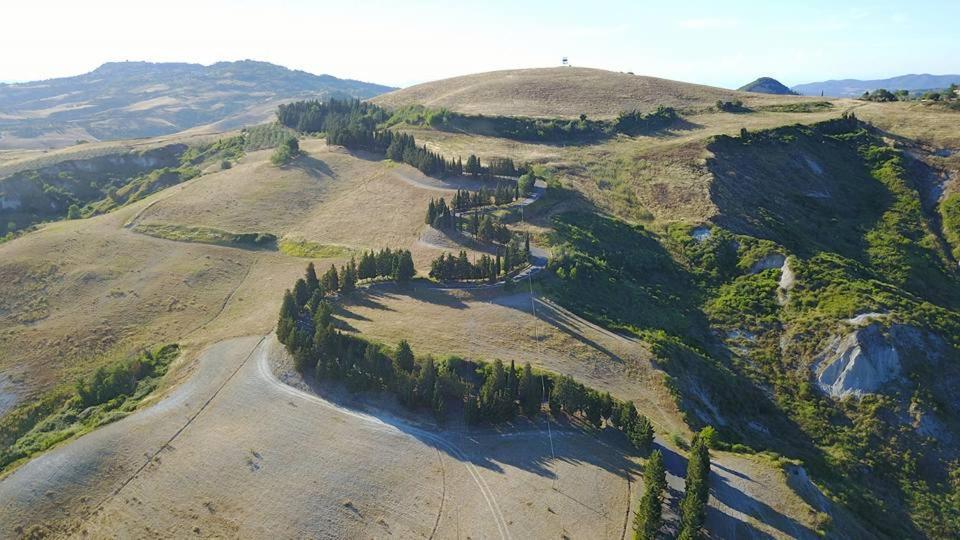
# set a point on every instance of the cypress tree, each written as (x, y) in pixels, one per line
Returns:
(641, 433)
(404, 356)
(405, 269)
(288, 317)
(312, 282)
(301, 293)
(696, 491)
(529, 390)
(330, 281)
(649, 516)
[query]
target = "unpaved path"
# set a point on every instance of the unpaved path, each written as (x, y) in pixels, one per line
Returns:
(234, 452)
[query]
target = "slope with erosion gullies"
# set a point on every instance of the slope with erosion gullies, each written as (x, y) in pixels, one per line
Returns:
(833, 187)
(78, 184)
(565, 92)
(815, 317)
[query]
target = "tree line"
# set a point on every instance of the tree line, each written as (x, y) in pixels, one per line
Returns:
(482, 392)
(354, 124)
(315, 116)
(446, 267)
(535, 129)
(486, 228)
(312, 289)
(637, 123)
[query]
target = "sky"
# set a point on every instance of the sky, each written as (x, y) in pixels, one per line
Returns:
(400, 43)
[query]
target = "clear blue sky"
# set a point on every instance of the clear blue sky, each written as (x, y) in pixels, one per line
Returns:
(402, 43)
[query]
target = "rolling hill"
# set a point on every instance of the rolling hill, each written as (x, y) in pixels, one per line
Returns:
(562, 92)
(720, 272)
(767, 85)
(856, 87)
(122, 100)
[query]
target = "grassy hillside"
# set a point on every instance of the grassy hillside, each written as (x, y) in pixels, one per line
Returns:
(100, 182)
(564, 93)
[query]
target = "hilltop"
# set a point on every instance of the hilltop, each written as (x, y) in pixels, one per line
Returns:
(856, 87)
(121, 100)
(564, 92)
(767, 85)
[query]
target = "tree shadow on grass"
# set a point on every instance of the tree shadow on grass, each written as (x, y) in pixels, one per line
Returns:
(312, 166)
(530, 445)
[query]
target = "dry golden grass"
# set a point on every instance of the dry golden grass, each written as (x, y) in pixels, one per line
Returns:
(927, 123)
(566, 93)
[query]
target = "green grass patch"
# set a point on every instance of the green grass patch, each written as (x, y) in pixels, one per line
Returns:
(313, 250)
(111, 393)
(208, 235)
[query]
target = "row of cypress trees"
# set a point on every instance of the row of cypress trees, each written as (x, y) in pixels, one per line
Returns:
(447, 267)
(648, 519)
(486, 392)
(354, 124)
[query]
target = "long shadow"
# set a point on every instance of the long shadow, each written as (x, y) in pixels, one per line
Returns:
(492, 447)
(341, 311)
(528, 445)
(366, 298)
(312, 166)
(550, 316)
(736, 499)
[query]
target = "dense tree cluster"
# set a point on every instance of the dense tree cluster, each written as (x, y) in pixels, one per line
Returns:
(319, 116)
(485, 392)
(693, 507)
(397, 265)
(311, 290)
(530, 129)
(354, 124)
(446, 267)
(443, 216)
(122, 378)
(731, 106)
(439, 215)
(880, 94)
(573, 397)
(288, 149)
(637, 123)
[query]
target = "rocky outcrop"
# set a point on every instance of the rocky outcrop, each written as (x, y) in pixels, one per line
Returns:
(787, 280)
(875, 358)
(773, 260)
(701, 234)
(862, 362)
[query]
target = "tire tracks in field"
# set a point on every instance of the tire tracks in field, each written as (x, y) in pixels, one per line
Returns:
(182, 428)
(226, 300)
(443, 493)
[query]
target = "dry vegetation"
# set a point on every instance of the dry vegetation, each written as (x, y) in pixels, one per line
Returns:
(567, 93)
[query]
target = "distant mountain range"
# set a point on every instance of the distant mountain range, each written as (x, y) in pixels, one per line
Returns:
(766, 85)
(123, 100)
(856, 87)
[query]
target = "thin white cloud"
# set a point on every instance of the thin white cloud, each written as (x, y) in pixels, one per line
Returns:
(710, 23)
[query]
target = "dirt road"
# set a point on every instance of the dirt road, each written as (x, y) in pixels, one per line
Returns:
(235, 452)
